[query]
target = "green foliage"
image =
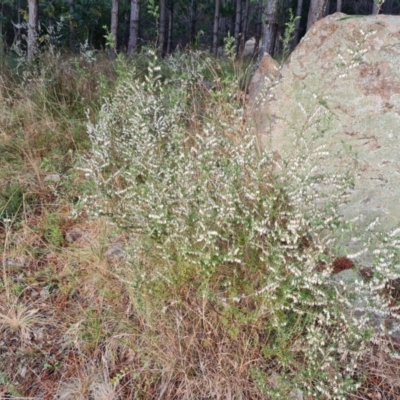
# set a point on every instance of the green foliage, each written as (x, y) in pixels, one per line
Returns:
(88, 20)
(52, 231)
(12, 201)
(290, 27)
(109, 37)
(6, 383)
(229, 45)
(153, 9)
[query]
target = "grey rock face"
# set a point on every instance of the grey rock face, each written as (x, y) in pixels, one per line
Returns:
(73, 235)
(116, 251)
(296, 394)
(340, 92)
(53, 178)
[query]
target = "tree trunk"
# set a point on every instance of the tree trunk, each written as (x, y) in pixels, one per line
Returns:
(71, 24)
(215, 28)
(170, 26)
(375, 8)
(296, 36)
(245, 20)
(222, 22)
(18, 32)
(1, 32)
(33, 28)
(163, 24)
(114, 28)
(387, 7)
(134, 27)
(317, 11)
(259, 24)
(270, 28)
(339, 6)
(238, 25)
(193, 20)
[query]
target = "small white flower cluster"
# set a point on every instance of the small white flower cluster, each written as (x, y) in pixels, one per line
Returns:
(87, 53)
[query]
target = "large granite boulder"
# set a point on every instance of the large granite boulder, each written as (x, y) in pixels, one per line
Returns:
(339, 96)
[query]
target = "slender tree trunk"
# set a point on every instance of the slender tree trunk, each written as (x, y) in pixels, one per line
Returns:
(33, 27)
(245, 19)
(114, 28)
(126, 25)
(270, 28)
(375, 8)
(193, 20)
(170, 26)
(296, 36)
(163, 24)
(134, 27)
(278, 48)
(387, 7)
(1, 32)
(230, 20)
(339, 6)
(245, 22)
(52, 27)
(238, 25)
(259, 23)
(18, 30)
(317, 11)
(222, 22)
(215, 28)
(327, 8)
(71, 24)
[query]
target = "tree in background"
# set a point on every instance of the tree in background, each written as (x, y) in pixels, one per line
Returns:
(193, 20)
(162, 28)
(166, 23)
(88, 18)
(245, 23)
(238, 25)
(216, 28)
(1, 27)
(170, 16)
(316, 12)
(270, 27)
(114, 26)
(134, 26)
(296, 37)
(33, 25)
(71, 24)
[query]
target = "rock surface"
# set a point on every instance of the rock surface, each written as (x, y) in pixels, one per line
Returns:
(340, 91)
(114, 252)
(73, 235)
(53, 178)
(249, 47)
(266, 74)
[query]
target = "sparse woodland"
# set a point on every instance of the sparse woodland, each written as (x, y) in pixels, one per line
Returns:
(147, 250)
(132, 25)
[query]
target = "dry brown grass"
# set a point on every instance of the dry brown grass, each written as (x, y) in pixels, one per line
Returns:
(61, 311)
(381, 373)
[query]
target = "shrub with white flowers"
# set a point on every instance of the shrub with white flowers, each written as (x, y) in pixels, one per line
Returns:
(240, 255)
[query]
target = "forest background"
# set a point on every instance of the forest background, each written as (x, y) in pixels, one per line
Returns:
(132, 24)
